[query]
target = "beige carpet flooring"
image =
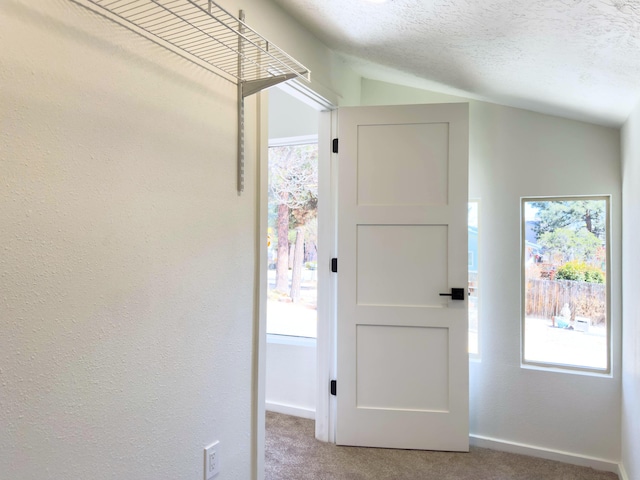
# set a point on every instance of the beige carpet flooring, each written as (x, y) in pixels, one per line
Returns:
(292, 453)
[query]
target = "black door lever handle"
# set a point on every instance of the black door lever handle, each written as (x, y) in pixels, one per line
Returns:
(456, 294)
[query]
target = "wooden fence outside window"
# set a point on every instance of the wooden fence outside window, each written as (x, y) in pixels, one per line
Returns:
(545, 298)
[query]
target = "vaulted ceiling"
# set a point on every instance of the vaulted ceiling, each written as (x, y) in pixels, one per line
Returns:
(574, 58)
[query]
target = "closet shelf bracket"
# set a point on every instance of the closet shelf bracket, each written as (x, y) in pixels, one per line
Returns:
(246, 88)
(250, 87)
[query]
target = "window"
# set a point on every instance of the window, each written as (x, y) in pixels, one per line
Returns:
(565, 262)
(472, 221)
(292, 242)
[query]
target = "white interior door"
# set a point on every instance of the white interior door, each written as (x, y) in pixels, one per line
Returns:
(402, 361)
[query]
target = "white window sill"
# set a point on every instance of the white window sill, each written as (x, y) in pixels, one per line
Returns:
(571, 371)
(290, 340)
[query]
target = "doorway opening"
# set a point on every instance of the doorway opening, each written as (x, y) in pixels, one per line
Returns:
(292, 255)
(291, 372)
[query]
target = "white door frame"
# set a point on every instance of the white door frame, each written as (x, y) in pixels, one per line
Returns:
(326, 282)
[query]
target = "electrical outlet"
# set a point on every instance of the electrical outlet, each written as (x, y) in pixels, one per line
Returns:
(212, 460)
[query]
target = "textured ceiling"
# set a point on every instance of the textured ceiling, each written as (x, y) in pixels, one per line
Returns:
(574, 58)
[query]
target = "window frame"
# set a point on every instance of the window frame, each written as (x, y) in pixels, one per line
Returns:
(560, 367)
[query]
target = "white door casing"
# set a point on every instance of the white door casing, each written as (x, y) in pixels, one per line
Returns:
(402, 361)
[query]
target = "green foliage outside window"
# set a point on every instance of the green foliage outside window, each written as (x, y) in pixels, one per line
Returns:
(580, 272)
(565, 244)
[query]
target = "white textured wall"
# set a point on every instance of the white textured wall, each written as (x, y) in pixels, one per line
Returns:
(630, 288)
(127, 258)
(516, 153)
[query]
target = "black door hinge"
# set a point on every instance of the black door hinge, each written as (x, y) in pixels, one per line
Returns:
(335, 145)
(333, 387)
(334, 265)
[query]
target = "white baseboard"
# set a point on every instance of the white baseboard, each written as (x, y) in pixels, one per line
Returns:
(290, 410)
(546, 453)
(622, 473)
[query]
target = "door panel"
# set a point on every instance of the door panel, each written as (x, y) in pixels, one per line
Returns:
(412, 252)
(416, 180)
(402, 362)
(405, 350)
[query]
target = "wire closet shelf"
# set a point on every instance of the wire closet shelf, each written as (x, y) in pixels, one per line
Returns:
(205, 33)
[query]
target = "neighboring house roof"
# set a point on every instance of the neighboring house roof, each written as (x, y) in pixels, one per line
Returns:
(529, 231)
(533, 246)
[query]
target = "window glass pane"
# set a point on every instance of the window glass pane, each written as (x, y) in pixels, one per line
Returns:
(565, 255)
(473, 277)
(292, 243)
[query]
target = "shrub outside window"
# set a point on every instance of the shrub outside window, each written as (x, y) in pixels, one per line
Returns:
(565, 292)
